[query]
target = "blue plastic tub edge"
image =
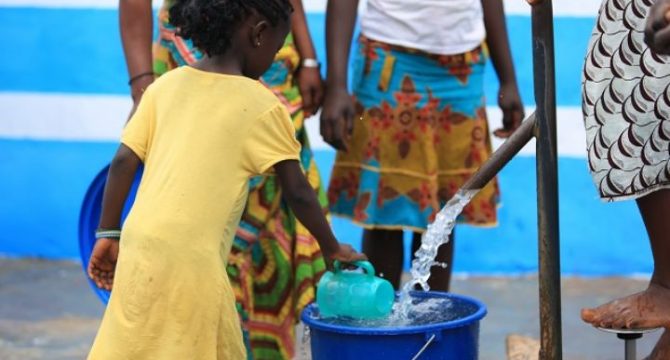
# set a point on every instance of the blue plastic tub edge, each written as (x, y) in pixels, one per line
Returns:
(465, 321)
(91, 208)
(90, 216)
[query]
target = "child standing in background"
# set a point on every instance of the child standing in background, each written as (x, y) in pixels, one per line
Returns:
(172, 297)
(417, 123)
(275, 262)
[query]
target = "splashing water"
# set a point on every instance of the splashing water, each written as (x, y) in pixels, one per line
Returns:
(437, 234)
(424, 311)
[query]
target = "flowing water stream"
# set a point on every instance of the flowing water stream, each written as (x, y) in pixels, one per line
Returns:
(436, 235)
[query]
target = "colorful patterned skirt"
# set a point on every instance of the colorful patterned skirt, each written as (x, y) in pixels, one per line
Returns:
(275, 262)
(420, 133)
(626, 104)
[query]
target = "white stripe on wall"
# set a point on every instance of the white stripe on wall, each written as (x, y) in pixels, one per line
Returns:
(40, 116)
(587, 8)
(95, 4)
(62, 117)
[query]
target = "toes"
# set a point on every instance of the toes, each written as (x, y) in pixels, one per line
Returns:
(608, 319)
(621, 319)
(589, 316)
(635, 323)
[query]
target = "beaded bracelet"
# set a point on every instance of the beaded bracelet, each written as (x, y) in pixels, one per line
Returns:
(108, 234)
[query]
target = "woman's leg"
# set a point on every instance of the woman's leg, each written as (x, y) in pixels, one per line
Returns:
(384, 249)
(649, 308)
(440, 278)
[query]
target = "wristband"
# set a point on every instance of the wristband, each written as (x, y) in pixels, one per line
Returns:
(108, 234)
(310, 63)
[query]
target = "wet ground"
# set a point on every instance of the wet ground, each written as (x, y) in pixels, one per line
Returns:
(48, 311)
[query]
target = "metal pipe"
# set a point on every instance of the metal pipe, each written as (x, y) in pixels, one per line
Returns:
(631, 349)
(630, 341)
(547, 181)
(503, 155)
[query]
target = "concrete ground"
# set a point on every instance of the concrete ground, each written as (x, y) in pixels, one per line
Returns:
(48, 311)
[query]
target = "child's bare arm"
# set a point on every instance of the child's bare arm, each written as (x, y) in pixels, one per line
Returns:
(119, 180)
(497, 40)
(102, 264)
(301, 198)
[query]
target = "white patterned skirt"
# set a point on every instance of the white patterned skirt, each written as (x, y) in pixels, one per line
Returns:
(626, 104)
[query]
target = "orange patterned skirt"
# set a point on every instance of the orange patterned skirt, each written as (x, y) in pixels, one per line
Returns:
(420, 132)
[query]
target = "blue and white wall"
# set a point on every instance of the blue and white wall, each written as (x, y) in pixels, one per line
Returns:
(64, 99)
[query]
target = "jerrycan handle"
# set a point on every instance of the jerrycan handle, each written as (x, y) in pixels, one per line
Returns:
(365, 265)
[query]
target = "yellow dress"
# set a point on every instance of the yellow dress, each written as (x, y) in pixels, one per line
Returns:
(200, 141)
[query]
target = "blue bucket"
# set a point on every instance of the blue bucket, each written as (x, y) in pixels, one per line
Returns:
(455, 340)
(89, 219)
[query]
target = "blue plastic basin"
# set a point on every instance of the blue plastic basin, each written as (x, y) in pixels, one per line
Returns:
(455, 340)
(89, 219)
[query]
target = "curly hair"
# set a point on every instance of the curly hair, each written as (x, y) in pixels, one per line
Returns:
(210, 24)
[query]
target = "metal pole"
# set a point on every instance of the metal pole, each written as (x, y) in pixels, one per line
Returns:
(630, 346)
(631, 352)
(547, 181)
(503, 155)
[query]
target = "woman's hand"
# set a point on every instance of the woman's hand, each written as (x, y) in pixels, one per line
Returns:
(509, 101)
(657, 30)
(337, 118)
(102, 264)
(311, 89)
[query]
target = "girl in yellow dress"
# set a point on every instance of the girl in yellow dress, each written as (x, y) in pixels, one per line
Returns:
(213, 127)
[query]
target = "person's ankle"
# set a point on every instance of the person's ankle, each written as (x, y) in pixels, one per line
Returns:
(660, 281)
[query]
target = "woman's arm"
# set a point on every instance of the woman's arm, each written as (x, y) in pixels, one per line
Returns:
(136, 22)
(308, 76)
(301, 198)
(338, 108)
(497, 41)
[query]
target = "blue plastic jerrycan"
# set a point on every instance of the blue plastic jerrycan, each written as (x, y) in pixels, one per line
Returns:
(354, 294)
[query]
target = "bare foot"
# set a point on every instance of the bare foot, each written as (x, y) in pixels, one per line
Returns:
(662, 349)
(646, 309)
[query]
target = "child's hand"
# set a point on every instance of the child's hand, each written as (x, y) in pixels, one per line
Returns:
(347, 254)
(337, 118)
(103, 262)
(311, 89)
(512, 108)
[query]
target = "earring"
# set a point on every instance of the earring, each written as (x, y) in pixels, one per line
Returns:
(258, 43)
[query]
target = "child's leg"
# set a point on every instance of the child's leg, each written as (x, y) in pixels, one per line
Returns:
(440, 278)
(649, 308)
(384, 249)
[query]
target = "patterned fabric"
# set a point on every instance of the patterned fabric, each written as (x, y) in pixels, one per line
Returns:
(626, 104)
(419, 134)
(275, 263)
